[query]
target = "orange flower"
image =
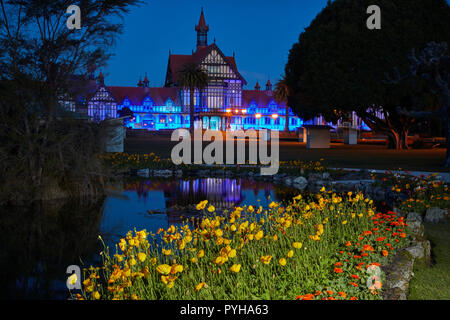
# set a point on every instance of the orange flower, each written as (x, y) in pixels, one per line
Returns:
(348, 244)
(385, 253)
(354, 276)
(338, 270)
(342, 294)
(308, 296)
(354, 284)
(338, 264)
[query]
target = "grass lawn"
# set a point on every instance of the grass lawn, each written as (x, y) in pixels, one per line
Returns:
(433, 283)
(339, 155)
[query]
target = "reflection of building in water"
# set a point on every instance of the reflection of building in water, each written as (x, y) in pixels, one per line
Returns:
(222, 193)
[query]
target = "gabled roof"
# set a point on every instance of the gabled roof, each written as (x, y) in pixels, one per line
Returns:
(177, 61)
(261, 98)
(136, 95)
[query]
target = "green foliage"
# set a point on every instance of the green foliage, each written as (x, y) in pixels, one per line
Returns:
(43, 146)
(339, 64)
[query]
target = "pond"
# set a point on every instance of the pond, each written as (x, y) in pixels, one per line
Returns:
(40, 241)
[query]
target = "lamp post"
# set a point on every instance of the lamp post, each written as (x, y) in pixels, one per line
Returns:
(275, 117)
(229, 118)
(258, 116)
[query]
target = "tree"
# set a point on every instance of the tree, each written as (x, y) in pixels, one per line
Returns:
(281, 93)
(40, 60)
(338, 64)
(433, 66)
(192, 77)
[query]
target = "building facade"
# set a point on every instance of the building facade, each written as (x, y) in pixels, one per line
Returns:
(223, 104)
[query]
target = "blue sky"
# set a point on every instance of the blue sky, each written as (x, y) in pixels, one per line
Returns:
(260, 33)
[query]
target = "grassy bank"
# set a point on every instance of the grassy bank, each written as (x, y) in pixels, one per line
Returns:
(433, 282)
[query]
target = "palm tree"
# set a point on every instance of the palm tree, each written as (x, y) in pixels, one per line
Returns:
(192, 77)
(281, 93)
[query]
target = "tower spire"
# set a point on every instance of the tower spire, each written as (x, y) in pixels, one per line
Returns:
(202, 31)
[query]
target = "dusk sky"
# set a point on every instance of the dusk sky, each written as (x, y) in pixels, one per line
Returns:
(260, 32)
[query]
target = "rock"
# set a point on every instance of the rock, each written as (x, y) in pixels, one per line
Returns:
(326, 176)
(314, 177)
(435, 215)
(300, 183)
(287, 181)
(414, 216)
(145, 173)
(417, 251)
(162, 173)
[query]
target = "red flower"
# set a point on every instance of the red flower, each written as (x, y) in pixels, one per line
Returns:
(354, 284)
(355, 276)
(338, 270)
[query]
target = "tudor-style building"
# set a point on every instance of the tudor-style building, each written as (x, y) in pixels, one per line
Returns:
(223, 104)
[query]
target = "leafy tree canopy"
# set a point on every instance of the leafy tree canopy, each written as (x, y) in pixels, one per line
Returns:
(339, 64)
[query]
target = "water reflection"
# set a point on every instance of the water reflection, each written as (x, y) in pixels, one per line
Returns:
(150, 204)
(38, 242)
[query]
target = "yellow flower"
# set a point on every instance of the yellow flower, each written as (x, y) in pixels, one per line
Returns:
(298, 197)
(72, 280)
(163, 269)
(200, 286)
(211, 208)
(323, 189)
(344, 222)
(297, 245)
(235, 268)
(96, 295)
(282, 262)
(202, 205)
(266, 259)
(194, 260)
(218, 233)
(200, 253)
(232, 253)
(250, 209)
(166, 252)
(275, 237)
(141, 256)
(132, 261)
(273, 205)
(259, 235)
(220, 260)
(177, 268)
(290, 253)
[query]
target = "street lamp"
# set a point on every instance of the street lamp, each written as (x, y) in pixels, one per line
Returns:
(258, 116)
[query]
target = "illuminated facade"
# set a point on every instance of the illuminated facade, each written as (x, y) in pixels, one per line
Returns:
(223, 104)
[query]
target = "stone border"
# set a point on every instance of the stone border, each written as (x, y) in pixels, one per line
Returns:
(399, 272)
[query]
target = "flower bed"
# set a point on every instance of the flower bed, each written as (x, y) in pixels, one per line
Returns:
(315, 248)
(421, 193)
